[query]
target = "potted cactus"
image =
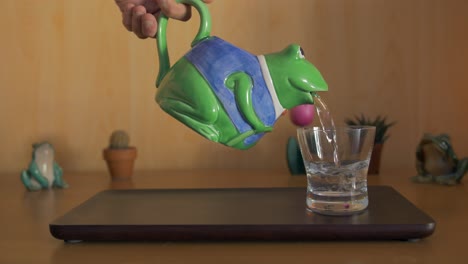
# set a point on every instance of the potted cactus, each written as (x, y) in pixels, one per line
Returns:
(120, 157)
(381, 129)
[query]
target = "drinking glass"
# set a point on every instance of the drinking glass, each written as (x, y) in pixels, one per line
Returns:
(336, 162)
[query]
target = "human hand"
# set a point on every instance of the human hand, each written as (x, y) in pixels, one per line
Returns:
(140, 16)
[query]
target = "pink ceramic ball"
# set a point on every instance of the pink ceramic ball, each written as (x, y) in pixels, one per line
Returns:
(302, 115)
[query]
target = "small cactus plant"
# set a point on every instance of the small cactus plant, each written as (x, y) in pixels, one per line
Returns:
(119, 139)
(119, 156)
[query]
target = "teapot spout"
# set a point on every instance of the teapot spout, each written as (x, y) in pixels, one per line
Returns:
(295, 79)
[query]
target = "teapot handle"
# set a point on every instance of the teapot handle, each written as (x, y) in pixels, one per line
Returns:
(161, 40)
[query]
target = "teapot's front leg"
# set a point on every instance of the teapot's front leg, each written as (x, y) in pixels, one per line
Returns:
(241, 85)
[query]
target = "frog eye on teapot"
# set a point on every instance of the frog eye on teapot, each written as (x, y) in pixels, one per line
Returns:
(302, 54)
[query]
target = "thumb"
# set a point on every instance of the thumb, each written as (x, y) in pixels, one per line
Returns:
(175, 10)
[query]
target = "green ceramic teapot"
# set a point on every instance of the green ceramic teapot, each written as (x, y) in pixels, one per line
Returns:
(225, 93)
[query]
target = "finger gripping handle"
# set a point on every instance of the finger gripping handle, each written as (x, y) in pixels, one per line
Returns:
(161, 40)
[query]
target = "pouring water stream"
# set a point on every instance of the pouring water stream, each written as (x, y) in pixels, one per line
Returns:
(328, 125)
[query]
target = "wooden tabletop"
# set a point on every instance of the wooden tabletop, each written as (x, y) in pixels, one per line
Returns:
(25, 236)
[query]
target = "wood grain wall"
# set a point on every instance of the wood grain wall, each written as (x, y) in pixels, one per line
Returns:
(70, 74)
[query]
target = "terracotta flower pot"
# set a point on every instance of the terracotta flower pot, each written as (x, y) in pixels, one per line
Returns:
(374, 166)
(120, 162)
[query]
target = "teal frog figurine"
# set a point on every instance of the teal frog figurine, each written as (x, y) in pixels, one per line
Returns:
(225, 93)
(43, 171)
(436, 161)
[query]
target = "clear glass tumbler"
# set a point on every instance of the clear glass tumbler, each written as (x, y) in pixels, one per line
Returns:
(336, 162)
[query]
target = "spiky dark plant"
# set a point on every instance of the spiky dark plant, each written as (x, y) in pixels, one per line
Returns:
(380, 123)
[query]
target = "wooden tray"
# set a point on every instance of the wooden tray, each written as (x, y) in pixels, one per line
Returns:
(235, 214)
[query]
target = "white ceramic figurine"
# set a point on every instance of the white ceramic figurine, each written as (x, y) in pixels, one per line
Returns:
(43, 172)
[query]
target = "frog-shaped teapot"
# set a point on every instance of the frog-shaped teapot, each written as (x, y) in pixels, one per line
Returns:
(226, 94)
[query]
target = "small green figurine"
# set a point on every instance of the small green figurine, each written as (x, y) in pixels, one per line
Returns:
(436, 161)
(43, 172)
